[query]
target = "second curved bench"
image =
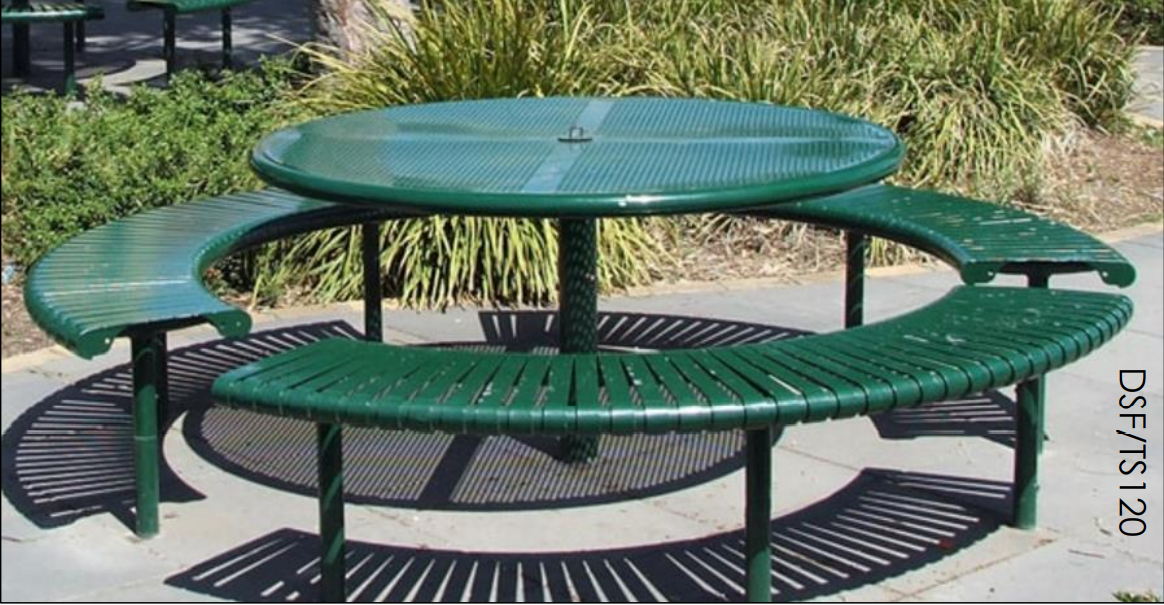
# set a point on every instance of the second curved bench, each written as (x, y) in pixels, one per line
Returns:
(972, 340)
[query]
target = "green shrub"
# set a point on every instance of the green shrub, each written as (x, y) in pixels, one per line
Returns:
(70, 167)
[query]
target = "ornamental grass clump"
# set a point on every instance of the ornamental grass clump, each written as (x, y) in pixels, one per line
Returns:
(977, 90)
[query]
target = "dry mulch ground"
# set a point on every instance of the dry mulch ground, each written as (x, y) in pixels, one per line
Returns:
(1100, 183)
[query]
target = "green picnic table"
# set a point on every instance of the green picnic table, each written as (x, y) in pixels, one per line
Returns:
(578, 161)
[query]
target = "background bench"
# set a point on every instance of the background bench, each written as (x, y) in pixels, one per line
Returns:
(171, 9)
(141, 277)
(22, 13)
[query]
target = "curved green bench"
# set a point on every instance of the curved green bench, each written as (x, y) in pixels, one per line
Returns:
(141, 277)
(972, 340)
(22, 13)
(980, 239)
(171, 9)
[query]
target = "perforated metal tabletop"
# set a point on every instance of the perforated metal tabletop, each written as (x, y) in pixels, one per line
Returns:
(578, 157)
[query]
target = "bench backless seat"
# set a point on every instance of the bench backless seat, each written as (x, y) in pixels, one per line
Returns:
(73, 15)
(971, 340)
(141, 277)
(171, 9)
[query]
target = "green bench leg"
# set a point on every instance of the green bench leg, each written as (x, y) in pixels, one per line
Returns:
(227, 43)
(169, 42)
(331, 513)
(1028, 435)
(1041, 280)
(373, 305)
(856, 244)
(70, 60)
(145, 432)
(758, 514)
(578, 310)
(21, 53)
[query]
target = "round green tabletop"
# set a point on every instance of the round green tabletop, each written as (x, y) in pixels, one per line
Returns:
(578, 157)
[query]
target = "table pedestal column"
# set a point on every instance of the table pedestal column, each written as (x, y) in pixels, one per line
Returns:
(578, 310)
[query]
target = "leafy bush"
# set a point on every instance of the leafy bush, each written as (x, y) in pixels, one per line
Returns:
(70, 167)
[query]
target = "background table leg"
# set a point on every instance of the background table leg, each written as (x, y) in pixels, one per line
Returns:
(1026, 454)
(578, 309)
(21, 57)
(1040, 280)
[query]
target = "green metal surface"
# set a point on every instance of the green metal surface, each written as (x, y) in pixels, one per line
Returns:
(758, 515)
(332, 566)
(578, 157)
(146, 270)
(183, 7)
(856, 246)
(971, 340)
(578, 311)
(145, 433)
(48, 12)
(979, 238)
(70, 63)
(373, 288)
(1028, 436)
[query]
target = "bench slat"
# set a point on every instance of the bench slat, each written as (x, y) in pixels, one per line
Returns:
(146, 270)
(971, 340)
(981, 239)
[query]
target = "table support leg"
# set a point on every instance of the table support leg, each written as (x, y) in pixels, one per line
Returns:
(227, 42)
(856, 244)
(373, 305)
(758, 511)
(331, 513)
(1026, 454)
(144, 349)
(578, 309)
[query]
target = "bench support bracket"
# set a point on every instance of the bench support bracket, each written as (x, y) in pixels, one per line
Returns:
(331, 512)
(758, 515)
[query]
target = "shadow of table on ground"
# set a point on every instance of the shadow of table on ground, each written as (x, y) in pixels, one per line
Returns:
(882, 524)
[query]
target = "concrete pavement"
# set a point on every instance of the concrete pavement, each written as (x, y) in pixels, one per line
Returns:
(1148, 103)
(906, 506)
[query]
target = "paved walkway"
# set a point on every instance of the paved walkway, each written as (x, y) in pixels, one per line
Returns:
(1149, 101)
(902, 507)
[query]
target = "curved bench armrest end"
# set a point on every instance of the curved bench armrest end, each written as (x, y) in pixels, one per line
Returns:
(234, 323)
